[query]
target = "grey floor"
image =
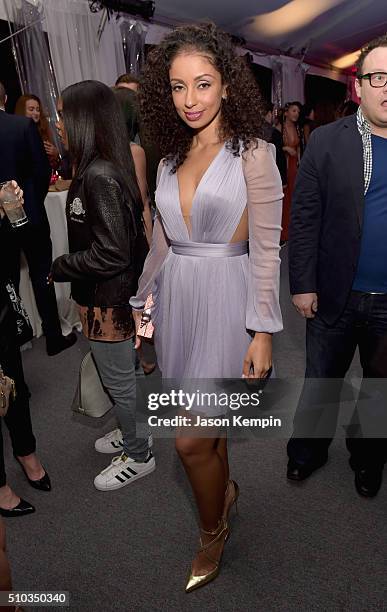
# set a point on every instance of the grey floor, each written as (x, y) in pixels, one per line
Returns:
(318, 546)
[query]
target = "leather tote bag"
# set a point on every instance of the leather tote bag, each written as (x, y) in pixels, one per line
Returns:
(91, 399)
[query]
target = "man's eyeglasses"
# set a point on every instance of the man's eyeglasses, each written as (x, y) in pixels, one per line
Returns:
(376, 79)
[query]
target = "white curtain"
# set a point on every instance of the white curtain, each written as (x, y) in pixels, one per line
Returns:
(76, 52)
(293, 79)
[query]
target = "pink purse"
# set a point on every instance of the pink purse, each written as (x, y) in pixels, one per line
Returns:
(146, 328)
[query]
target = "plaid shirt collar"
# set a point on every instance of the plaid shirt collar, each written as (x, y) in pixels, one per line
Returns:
(365, 132)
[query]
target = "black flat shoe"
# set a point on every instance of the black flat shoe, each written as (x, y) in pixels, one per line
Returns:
(368, 481)
(301, 471)
(59, 344)
(43, 484)
(21, 509)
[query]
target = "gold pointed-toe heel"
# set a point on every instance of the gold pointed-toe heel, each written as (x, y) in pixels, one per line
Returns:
(194, 582)
(230, 498)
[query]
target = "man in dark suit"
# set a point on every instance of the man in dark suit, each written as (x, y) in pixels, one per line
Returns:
(22, 158)
(338, 275)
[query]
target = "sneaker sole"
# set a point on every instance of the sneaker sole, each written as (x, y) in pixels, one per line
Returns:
(151, 468)
(108, 451)
(112, 450)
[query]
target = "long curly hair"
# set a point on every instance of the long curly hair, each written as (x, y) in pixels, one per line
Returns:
(241, 116)
(43, 126)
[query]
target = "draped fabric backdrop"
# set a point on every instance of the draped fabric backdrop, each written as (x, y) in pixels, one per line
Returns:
(133, 39)
(32, 55)
(288, 83)
(76, 52)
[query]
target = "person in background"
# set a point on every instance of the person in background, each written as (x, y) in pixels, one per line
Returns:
(18, 417)
(129, 81)
(30, 106)
(271, 134)
(338, 278)
(151, 148)
(128, 101)
(107, 250)
(23, 158)
(129, 106)
(293, 139)
(308, 122)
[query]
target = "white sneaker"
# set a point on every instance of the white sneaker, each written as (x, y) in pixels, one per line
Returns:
(113, 442)
(122, 471)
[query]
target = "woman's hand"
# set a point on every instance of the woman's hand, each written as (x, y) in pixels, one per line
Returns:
(291, 151)
(51, 149)
(258, 360)
(137, 319)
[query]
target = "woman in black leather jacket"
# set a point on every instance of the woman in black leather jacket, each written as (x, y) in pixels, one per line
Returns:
(18, 418)
(107, 249)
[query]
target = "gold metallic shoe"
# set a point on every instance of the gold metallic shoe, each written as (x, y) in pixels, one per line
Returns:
(230, 498)
(194, 582)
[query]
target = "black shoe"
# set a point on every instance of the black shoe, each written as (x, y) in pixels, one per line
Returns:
(21, 509)
(60, 343)
(302, 471)
(368, 481)
(43, 484)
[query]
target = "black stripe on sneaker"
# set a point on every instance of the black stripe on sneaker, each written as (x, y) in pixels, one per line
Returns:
(114, 445)
(119, 478)
(150, 456)
(127, 476)
(131, 471)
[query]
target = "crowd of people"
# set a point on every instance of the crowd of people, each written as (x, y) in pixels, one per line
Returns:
(234, 181)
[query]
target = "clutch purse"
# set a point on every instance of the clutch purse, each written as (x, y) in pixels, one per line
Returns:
(7, 392)
(91, 399)
(146, 328)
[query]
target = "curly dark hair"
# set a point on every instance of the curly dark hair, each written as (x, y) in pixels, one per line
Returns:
(241, 115)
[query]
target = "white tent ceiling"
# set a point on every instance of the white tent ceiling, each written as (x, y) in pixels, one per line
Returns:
(327, 29)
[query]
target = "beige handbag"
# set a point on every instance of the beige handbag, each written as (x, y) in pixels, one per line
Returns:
(91, 399)
(7, 392)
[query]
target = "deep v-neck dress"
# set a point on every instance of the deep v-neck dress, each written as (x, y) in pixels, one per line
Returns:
(204, 287)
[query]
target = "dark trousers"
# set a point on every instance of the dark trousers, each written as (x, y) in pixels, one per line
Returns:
(18, 418)
(329, 354)
(35, 242)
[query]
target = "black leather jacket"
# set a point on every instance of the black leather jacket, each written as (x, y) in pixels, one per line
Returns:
(106, 240)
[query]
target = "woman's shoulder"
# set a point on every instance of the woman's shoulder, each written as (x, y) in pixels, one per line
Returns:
(101, 171)
(257, 148)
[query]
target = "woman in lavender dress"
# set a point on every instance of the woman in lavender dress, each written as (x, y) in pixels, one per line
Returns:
(216, 306)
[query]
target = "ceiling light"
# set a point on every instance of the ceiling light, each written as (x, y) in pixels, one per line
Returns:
(293, 16)
(346, 60)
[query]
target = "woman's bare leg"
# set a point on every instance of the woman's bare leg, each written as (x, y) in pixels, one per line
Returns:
(206, 471)
(221, 448)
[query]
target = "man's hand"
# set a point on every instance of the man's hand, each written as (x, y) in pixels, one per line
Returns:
(305, 304)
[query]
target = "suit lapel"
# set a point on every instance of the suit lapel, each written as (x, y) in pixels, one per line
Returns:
(355, 164)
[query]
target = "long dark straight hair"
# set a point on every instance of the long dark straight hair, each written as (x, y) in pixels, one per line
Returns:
(96, 128)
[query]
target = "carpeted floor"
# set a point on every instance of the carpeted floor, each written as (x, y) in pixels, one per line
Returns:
(314, 547)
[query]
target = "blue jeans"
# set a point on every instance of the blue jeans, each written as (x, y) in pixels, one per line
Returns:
(329, 354)
(116, 365)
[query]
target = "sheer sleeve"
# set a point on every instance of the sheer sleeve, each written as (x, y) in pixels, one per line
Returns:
(157, 253)
(264, 204)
